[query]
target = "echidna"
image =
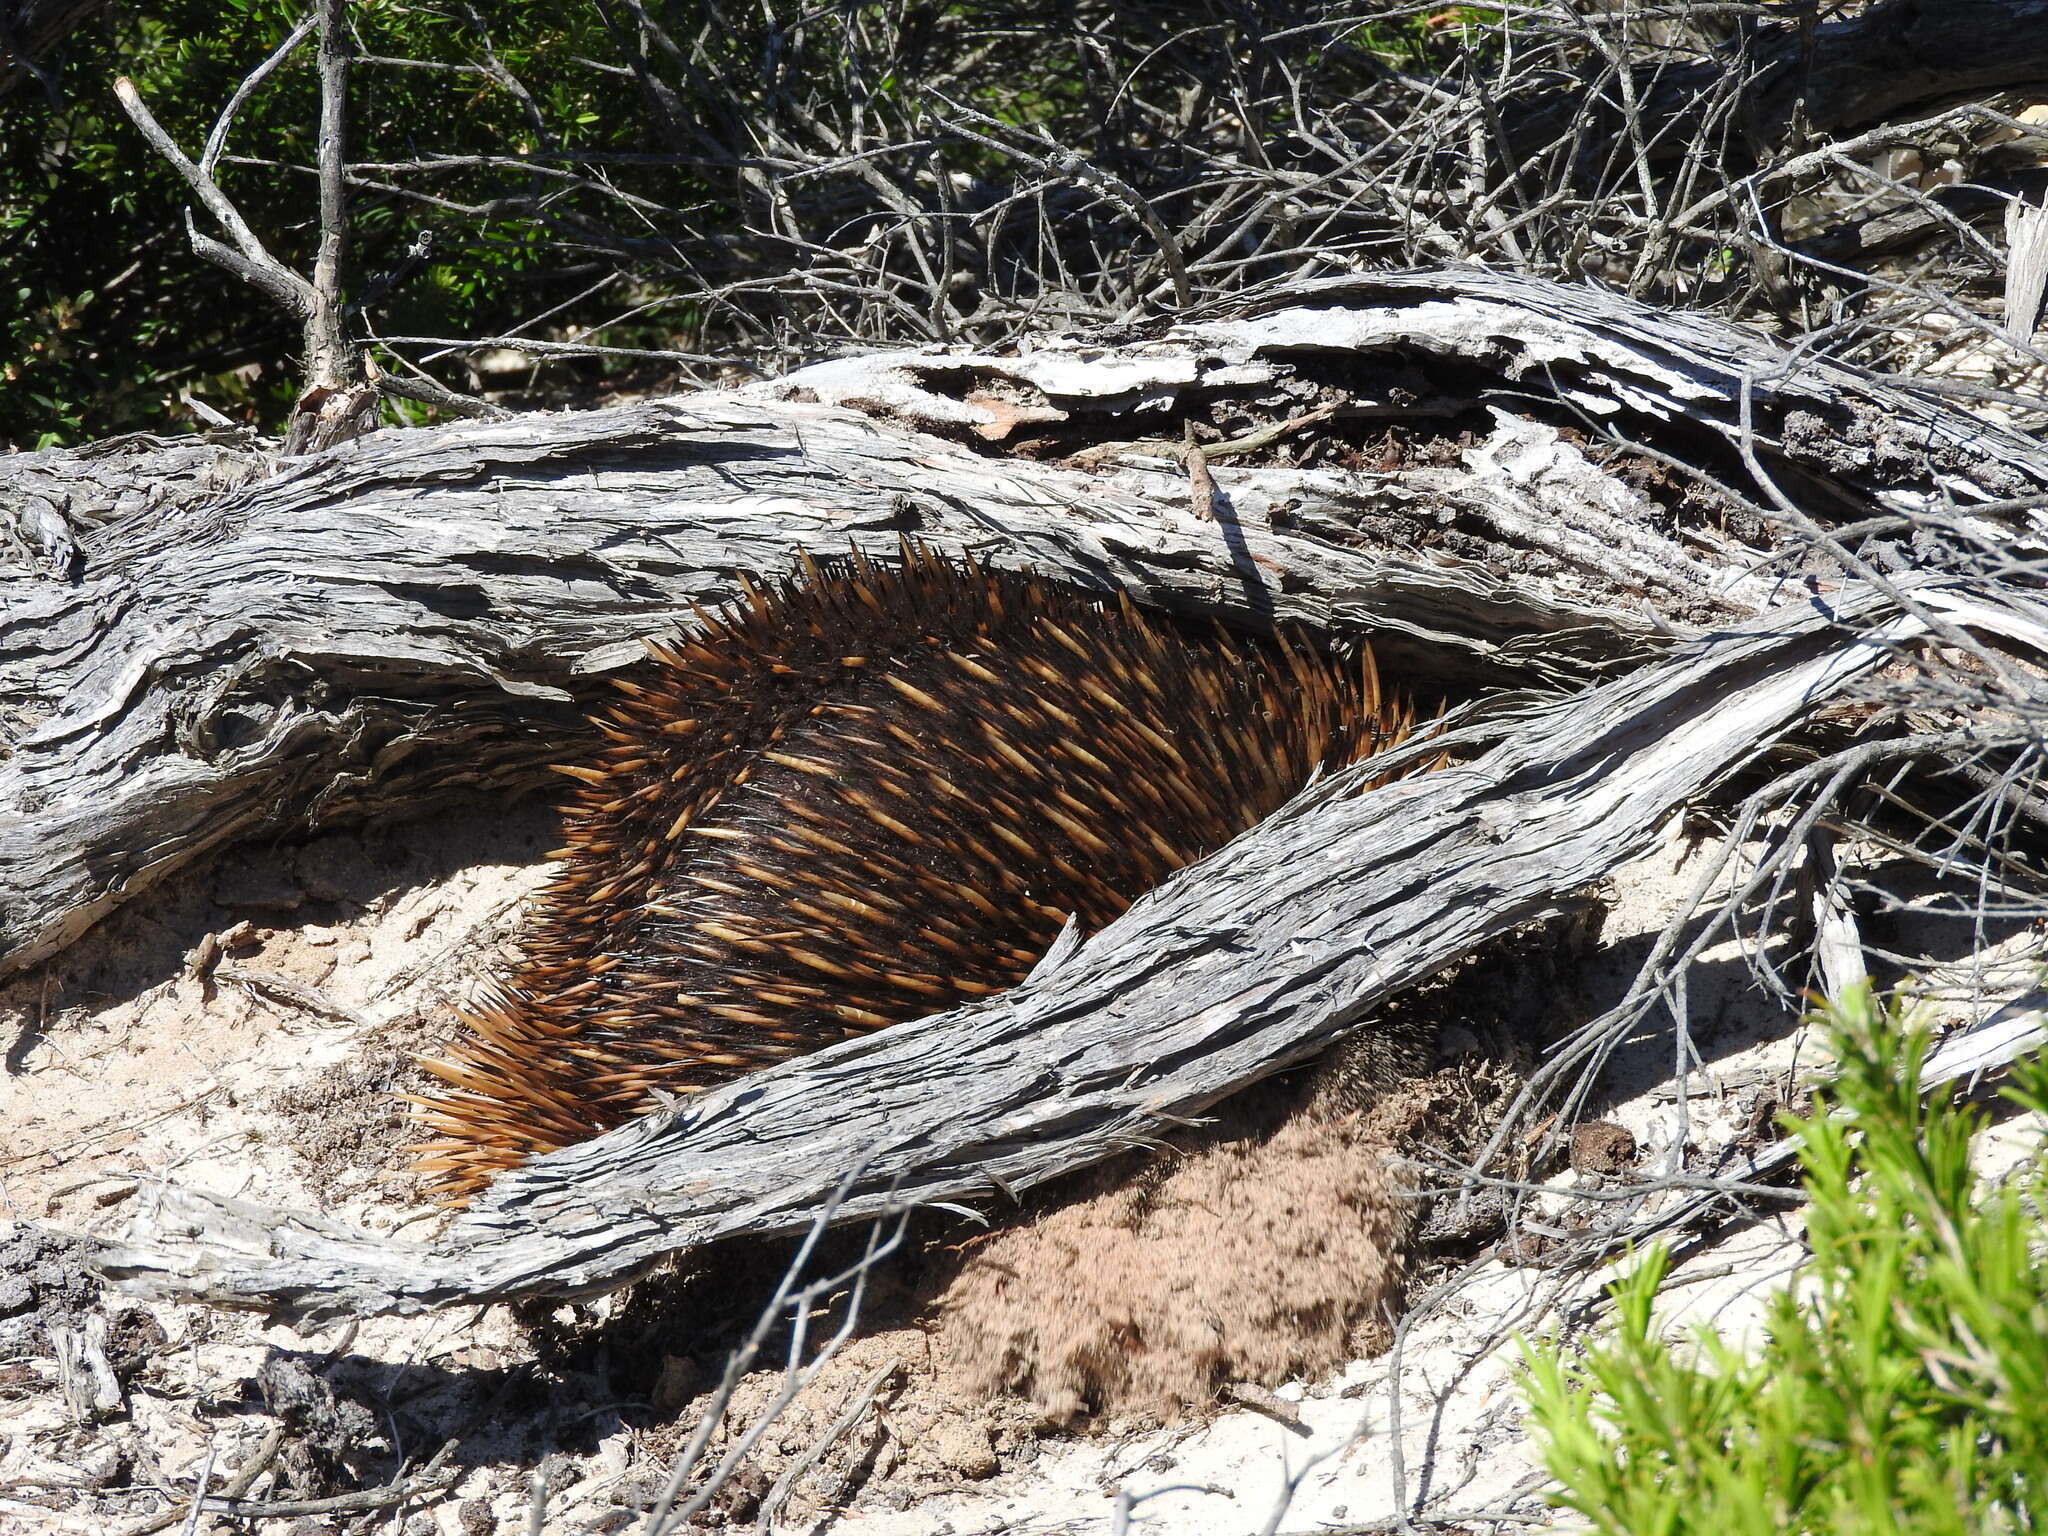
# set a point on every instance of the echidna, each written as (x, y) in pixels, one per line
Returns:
(868, 795)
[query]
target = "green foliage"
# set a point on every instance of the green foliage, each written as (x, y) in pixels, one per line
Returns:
(1904, 1383)
(1420, 41)
(114, 313)
(680, 164)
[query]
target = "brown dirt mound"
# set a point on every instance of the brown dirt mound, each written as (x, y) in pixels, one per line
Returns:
(1274, 1245)
(1243, 1262)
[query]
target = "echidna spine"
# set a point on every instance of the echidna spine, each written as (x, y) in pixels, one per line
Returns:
(869, 793)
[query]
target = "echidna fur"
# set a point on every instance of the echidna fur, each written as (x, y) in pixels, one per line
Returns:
(872, 793)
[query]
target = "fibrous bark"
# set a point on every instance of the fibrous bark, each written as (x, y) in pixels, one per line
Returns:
(420, 613)
(1241, 966)
(1236, 968)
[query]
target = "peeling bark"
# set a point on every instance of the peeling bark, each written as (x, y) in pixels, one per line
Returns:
(419, 613)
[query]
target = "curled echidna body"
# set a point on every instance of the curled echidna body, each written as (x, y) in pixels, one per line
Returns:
(871, 794)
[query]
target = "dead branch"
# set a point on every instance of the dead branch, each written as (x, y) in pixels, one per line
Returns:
(248, 258)
(1055, 160)
(425, 1483)
(796, 1303)
(238, 1486)
(1897, 58)
(337, 401)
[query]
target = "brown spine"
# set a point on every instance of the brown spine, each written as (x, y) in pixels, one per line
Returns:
(871, 794)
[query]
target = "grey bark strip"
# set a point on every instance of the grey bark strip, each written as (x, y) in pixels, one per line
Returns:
(1238, 967)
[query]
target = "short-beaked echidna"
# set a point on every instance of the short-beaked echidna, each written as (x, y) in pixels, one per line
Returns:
(870, 794)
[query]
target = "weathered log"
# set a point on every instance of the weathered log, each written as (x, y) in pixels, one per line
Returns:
(1237, 968)
(422, 612)
(418, 614)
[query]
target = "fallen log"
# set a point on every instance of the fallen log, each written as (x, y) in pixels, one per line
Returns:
(205, 641)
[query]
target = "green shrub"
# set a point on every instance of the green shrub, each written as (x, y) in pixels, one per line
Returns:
(112, 313)
(728, 180)
(1903, 1386)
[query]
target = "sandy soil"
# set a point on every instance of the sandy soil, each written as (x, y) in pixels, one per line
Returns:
(1215, 1321)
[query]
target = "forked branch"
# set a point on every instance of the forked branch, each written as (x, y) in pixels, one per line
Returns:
(338, 399)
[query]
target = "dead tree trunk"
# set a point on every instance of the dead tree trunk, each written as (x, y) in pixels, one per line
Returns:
(1504, 482)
